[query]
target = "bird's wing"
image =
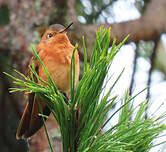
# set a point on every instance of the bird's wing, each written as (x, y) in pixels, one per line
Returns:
(31, 122)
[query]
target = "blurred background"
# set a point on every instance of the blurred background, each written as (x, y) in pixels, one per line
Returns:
(143, 55)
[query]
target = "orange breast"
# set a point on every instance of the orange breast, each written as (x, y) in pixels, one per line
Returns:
(58, 65)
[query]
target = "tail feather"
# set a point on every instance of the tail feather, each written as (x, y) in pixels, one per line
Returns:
(31, 122)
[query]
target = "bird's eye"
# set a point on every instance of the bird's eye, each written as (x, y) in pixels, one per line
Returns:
(50, 35)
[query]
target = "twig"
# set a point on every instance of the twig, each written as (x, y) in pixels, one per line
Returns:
(134, 71)
(152, 63)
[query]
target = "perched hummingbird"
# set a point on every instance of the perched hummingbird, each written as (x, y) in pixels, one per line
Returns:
(55, 51)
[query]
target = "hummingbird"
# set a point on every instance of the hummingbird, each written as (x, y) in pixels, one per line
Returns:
(55, 51)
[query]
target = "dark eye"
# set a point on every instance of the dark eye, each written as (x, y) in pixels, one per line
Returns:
(50, 35)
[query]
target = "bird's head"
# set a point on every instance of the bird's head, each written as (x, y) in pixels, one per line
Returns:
(56, 34)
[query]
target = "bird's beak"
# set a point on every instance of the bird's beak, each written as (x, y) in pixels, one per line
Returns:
(65, 30)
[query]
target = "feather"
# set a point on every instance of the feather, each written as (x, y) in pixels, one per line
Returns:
(31, 122)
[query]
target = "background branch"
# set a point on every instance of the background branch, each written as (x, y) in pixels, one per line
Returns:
(134, 71)
(152, 63)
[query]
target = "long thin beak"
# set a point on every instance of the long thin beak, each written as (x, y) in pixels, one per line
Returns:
(64, 30)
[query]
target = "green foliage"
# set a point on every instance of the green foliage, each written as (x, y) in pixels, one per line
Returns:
(82, 118)
(99, 10)
(92, 9)
(141, 5)
(4, 15)
(145, 49)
